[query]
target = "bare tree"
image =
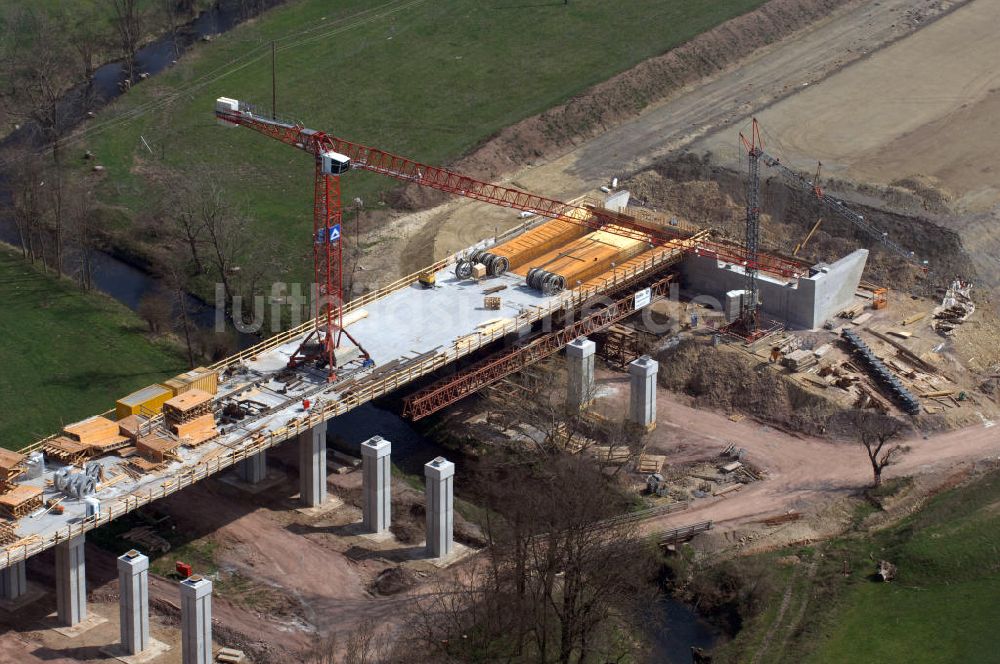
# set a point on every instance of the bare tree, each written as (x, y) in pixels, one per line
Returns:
(156, 308)
(28, 203)
(559, 579)
(876, 431)
(40, 68)
(128, 22)
(83, 227)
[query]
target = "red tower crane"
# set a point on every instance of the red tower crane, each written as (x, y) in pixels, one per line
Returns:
(335, 156)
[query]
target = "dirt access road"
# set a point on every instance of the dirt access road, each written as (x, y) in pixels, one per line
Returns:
(803, 474)
(716, 103)
(919, 115)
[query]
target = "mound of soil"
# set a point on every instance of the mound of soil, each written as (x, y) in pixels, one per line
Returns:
(696, 189)
(624, 96)
(720, 379)
(394, 580)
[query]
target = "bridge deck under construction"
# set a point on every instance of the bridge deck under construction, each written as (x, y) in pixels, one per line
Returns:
(408, 331)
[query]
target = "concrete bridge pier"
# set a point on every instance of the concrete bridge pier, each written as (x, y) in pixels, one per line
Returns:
(133, 601)
(642, 397)
(580, 366)
(312, 465)
(71, 582)
(439, 475)
(253, 469)
(13, 582)
(376, 484)
(196, 620)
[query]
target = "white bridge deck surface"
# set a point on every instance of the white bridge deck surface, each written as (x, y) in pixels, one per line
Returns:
(401, 325)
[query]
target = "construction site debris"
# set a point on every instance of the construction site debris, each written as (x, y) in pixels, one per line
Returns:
(862, 319)
(147, 539)
(491, 302)
(650, 463)
(886, 571)
(799, 360)
(910, 320)
(955, 308)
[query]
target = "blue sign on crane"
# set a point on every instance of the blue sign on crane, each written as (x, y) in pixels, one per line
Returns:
(324, 237)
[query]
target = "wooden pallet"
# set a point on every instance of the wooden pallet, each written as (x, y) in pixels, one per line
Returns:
(66, 450)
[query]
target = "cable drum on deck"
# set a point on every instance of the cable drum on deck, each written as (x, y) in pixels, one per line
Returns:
(495, 265)
(545, 281)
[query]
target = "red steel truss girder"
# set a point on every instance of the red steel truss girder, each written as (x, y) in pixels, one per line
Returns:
(408, 170)
(454, 388)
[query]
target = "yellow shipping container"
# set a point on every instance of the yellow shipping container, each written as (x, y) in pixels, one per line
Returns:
(148, 399)
(175, 385)
(201, 378)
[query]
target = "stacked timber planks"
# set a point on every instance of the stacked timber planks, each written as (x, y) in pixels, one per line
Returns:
(187, 406)
(10, 467)
(98, 434)
(20, 501)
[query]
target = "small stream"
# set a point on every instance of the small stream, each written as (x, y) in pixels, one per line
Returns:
(682, 629)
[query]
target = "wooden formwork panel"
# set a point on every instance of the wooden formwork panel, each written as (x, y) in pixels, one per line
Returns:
(538, 241)
(588, 256)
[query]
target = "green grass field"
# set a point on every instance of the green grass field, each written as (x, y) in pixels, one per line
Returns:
(942, 607)
(425, 79)
(65, 355)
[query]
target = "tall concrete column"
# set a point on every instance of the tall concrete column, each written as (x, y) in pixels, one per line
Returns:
(439, 475)
(253, 469)
(13, 581)
(133, 601)
(196, 620)
(376, 484)
(642, 399)
(312, 465)
(71, 582)
(580, 365)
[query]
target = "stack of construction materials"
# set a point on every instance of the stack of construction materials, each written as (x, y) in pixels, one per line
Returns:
(10, 468)
(189, 417)
(99, 434)
(799, 360)
(881, 373)
(20, 501)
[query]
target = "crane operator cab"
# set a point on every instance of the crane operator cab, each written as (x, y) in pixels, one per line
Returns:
(334, 163)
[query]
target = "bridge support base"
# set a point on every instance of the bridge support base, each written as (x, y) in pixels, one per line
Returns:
(253, 469)
(71, 582)
(312, 466)
(580, 369)
(377, 481)
(133, 601)
(439, 475)
(642, 397)
(196, 620)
